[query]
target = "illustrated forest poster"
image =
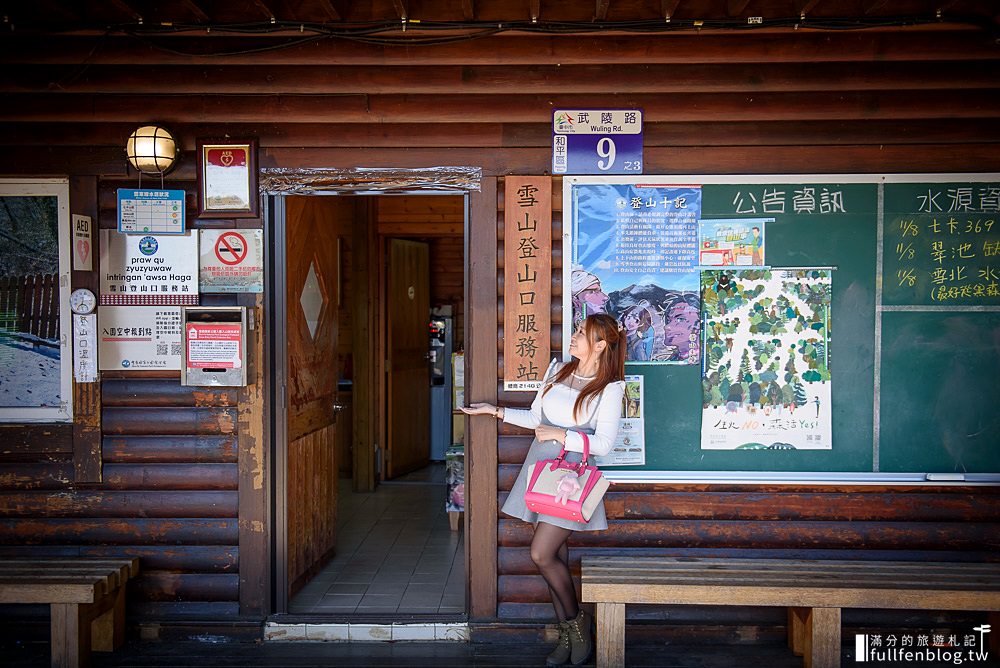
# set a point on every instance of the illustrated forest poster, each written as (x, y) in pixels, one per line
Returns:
(766, 368)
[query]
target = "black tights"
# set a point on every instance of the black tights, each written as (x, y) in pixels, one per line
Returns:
(551, 556)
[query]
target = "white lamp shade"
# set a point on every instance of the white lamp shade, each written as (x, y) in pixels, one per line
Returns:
(151, 149)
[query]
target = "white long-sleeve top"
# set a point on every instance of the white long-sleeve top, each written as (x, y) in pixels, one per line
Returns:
(600, 418)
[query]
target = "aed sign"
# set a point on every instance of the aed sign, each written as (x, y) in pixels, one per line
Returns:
(597, 141)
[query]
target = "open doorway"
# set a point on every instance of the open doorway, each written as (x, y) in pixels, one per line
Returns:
(370, 283)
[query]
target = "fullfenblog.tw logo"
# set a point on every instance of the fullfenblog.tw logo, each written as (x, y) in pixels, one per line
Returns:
(923, 648)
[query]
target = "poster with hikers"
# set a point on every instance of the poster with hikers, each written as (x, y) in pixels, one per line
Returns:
(766, 368)
(635, 257)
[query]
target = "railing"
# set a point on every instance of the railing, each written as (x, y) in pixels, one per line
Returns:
(30, 305)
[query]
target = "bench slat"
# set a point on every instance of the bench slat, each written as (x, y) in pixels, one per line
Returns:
(71, 591)
(805, 597)
(132, 565)
(765, 565)
(666, 579)
(13, 576)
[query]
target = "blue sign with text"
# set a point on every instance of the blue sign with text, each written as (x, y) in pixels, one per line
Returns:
(597, 141)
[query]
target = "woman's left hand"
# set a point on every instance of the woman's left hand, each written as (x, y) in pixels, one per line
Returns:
(546, 432)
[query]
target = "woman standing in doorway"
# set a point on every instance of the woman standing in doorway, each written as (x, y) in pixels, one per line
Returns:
(581, 396)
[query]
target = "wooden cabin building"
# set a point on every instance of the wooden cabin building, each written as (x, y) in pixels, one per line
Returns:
(412, 113)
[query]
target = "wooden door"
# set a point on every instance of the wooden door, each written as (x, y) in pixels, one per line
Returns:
(312, 300)
(407, 344)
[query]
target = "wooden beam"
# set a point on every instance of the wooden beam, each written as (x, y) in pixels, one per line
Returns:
(401, 10)
(468, 10)
(330, 10)
(601, 12)
(679, 48)
(668, 8)
(736, 7)
(197, 11)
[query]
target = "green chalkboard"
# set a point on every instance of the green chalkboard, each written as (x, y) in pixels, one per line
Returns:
(912, 375)
(942, 244)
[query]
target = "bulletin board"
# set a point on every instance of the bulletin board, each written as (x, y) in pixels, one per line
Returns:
(915, 347)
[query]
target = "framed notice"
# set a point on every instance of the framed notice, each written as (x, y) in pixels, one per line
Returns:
(227, 179)
(139, 338)
(150, 211)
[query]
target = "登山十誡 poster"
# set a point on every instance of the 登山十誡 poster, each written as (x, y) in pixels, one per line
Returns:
(635, 257)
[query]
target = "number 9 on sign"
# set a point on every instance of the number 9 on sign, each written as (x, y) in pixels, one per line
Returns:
(606, 151)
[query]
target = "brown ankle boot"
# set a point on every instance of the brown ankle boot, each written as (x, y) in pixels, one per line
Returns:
(561, 653)
(580, 639)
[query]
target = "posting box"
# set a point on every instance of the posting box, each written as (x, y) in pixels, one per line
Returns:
(213, 342)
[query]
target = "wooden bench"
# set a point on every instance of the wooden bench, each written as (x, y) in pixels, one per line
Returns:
(813, 591)
(86, 598)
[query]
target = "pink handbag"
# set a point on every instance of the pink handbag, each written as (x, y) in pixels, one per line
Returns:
(570, 491)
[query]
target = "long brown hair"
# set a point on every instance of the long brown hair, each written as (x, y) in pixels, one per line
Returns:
(611, 363)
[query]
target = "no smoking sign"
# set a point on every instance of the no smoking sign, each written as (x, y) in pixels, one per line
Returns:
(232, 261)
(231, 248)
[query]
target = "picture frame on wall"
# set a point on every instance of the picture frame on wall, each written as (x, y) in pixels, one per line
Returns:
(227, 179)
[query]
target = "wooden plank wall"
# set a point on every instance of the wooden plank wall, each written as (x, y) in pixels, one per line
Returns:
(167, 489)
(169, 497)
(924, 99)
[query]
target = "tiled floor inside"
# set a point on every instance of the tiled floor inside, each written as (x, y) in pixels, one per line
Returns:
(396, 553)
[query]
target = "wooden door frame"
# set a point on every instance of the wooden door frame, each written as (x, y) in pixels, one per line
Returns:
(276, 343)
(480, 249)
(275, 223)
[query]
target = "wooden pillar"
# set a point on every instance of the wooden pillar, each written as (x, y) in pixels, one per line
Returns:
(70, 636)
(481, 385)
(797, 630)
(822, 647)
(254, 522)
(610, 635)
(88, 463)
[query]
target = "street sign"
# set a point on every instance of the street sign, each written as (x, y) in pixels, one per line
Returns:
(597, 141)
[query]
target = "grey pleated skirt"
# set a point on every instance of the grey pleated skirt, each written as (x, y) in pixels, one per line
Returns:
(516, 507)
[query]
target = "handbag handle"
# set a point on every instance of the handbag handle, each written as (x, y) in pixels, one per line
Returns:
(586, 452)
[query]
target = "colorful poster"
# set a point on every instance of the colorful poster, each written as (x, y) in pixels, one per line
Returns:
(732, 242)
(766, 369)
(635, 257)
(630, 446)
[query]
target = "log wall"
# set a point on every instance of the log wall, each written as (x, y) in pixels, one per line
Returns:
(923, 99)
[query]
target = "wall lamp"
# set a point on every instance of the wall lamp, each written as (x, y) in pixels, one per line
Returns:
(151, 149)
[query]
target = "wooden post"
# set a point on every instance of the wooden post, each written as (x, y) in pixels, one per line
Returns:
(88, 462)
(822, 647)
(797, 629)
(70, 636)
(481, 385)
(252, 463)
(108, 630)
(610, 635)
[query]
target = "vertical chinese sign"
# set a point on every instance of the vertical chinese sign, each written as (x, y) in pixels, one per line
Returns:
(527, 276)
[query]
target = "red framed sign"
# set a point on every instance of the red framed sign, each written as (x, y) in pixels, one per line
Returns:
(227, 179)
